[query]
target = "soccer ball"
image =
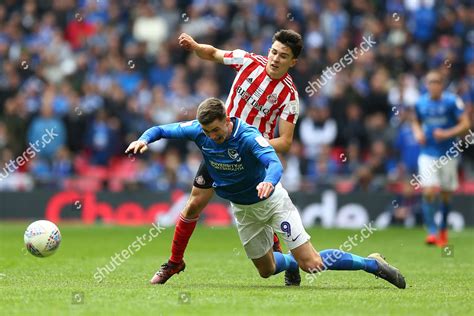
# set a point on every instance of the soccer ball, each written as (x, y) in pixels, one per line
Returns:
(42, 238)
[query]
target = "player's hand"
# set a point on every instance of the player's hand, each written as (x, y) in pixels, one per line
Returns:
(264, 189)
(137, 146)
(420, 138)
(440, 135)
(187, 42)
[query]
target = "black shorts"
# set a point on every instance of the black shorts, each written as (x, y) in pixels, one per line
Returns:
(203, 179)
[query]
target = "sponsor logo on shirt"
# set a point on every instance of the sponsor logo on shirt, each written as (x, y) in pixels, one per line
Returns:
(250, 100)
(227, 167)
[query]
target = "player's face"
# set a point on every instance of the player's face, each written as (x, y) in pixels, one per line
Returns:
(435, 85)
(280, 59)
(217, 130)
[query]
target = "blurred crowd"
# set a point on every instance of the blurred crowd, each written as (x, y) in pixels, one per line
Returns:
(100, 72)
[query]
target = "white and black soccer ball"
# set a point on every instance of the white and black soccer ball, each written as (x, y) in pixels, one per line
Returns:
(42, 238)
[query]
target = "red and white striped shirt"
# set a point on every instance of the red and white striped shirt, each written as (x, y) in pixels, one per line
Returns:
(255, 97)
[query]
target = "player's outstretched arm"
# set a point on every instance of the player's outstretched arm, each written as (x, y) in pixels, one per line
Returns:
(149, 136)
(183, 130)
(204, 51)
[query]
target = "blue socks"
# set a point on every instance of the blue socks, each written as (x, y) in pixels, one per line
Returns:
(284, 262)
(335, 259)
(445, 208)
(429, 209)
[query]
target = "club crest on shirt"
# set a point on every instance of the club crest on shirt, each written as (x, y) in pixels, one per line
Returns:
(272, 98)
(233, 154)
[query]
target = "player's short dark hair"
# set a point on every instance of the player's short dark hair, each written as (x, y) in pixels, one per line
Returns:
(291, 39)
(210, 110)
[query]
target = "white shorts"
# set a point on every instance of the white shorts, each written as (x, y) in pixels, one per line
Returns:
(257, 222)
(435, 172)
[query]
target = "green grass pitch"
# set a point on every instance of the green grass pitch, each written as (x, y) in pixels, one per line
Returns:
(220, 280)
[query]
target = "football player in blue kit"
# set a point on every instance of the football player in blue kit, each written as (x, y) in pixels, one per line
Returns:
(246, 171)
(440, 118)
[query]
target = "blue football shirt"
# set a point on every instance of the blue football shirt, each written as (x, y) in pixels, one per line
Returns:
(443, 113)
(235, 165)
